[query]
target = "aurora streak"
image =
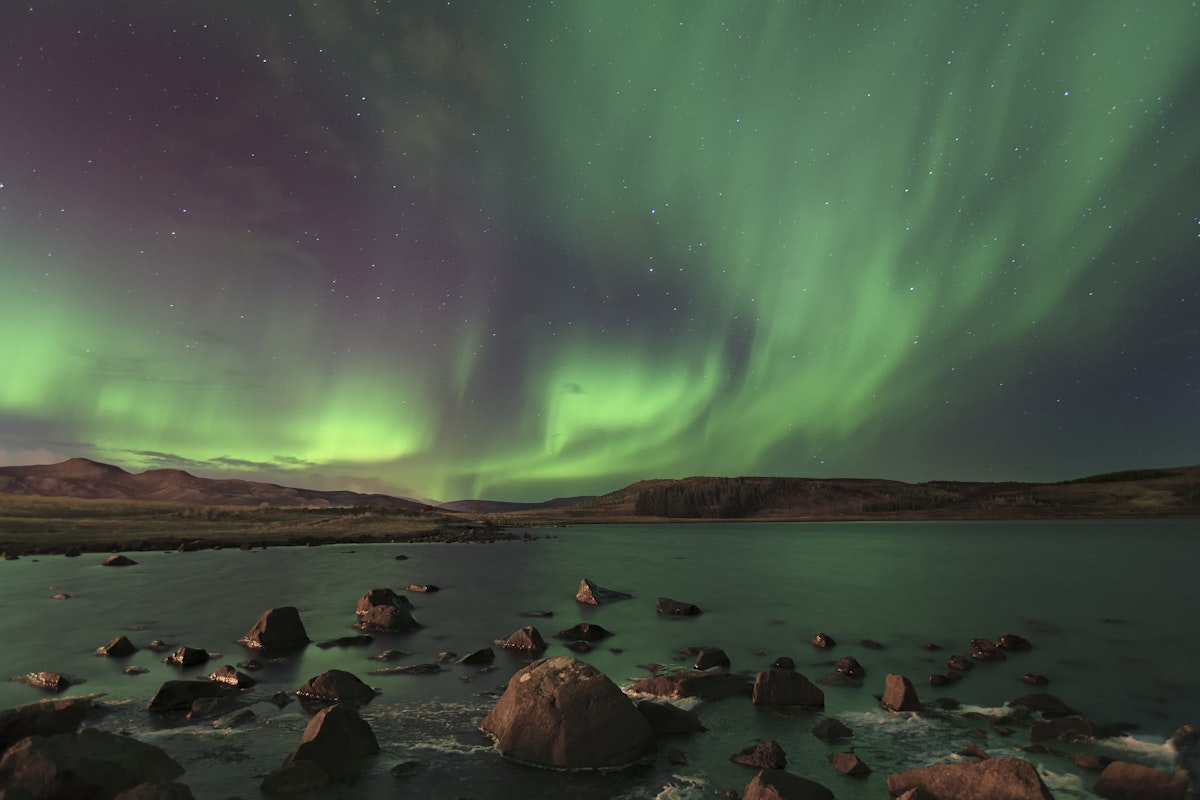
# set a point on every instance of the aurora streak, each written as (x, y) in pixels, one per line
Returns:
(521, 251)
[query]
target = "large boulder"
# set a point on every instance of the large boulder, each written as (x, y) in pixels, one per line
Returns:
(563, 713)
(993, 778)
(88, 764)
(386, 619)
(338, 739)
(694, 683)
(593, 595)
(336, 686)
(785, 687)
(776, 784)
(279, 629)
(899, 694)
(46, 718)
(1122, 780)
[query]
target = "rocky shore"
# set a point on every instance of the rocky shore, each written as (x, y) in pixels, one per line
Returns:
(560, 713)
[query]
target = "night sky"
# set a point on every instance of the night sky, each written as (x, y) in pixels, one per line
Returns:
(520, 250)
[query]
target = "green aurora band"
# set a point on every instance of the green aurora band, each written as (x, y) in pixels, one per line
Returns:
(767, 238)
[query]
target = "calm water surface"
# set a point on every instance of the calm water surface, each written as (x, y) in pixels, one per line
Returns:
(1110, 607)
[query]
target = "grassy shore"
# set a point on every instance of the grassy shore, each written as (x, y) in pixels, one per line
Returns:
(49, 525)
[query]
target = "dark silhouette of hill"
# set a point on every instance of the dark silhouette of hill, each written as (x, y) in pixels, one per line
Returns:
(503, 506)
(82, 478)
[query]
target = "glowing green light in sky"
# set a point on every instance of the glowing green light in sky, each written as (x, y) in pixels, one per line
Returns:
(595, 242)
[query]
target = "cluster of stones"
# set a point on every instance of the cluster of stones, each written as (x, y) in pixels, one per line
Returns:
(558, 713)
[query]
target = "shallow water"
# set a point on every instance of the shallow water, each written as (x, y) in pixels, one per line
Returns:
(1109, 606)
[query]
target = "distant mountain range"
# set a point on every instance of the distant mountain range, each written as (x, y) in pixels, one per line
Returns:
(1173, 492)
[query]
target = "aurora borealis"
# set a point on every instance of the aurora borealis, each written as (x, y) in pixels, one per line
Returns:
(527, 250)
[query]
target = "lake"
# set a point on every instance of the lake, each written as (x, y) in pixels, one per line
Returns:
(1109, 606)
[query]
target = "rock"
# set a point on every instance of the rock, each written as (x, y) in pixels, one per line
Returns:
(668, 720)
(1034, 679)
(47, 718)
(278, 629)
(785, 687)
(1092, 763)
(830, 729)
(336, 686)
(237, 719)
(777, 784)
(993, 778)
(171, 790)
(337, 739)
(362, 640)
(134, 670)
(524, 640)
(692, 683)
(87, 764)
(784, 662)
(917, 794)
(117, 648)
(849, 666)
(871, 644)
(939, 679)
(848, 763)
(1047, 704)
(180, 695)
(187, 657)
(386, 619)
(484, 656)
(422, 588)
(766, 754)
(563, 713)
(593, 595)
(959, 663)
(1065, 728)
(1010, 641)
(118, 560)
(584, 632)
(50, 681)
(1122, 780)
(381, 597)
(226, 674)
(675, 608)
(973, 751)
(295, 778)
(899, 694)
(984, 650)
(711, 658)
(676, 757)
(412, 669)
(822, 641)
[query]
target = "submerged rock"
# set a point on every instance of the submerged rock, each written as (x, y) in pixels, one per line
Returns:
(668, 720)
(278, 629)
(524, 640)
(563, 713)
(899, 694)
(584, 632)
(676, 608)
(767, 754)
(778, 784)
(693, 683)
(785, 687)
(594, 595)
(336, 686)
(118, 560)
(179, 695)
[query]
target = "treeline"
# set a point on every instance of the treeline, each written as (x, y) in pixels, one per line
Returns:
(708, 498)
